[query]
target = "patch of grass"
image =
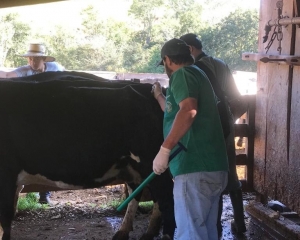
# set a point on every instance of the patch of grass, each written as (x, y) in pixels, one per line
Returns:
(30, 202)
(115, 203)
(93, 205)
(146, 206)
(111, 204)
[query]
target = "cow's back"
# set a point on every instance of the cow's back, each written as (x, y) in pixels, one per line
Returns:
(79, 126)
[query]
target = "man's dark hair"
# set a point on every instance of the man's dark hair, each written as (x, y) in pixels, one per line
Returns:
(182, 59)
(192, 40)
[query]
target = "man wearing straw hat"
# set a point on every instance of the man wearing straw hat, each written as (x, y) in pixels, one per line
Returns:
(38, 62)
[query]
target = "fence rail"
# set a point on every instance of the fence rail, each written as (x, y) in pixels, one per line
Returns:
(246, 130)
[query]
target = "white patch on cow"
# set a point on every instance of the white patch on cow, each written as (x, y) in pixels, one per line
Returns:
(136, 158)
(110, 174)
(25, 178)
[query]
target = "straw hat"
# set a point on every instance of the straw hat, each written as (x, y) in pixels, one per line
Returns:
(38, 50)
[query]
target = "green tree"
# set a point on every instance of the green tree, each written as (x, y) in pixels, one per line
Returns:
(159, 21)
(94, 27)
(234, 35)
(153, 59)
(147, 13)
(91, 23)
(13, 40)
(104, 40)
(134, 45)
(134, 57)
(187, 13)
(61, 44)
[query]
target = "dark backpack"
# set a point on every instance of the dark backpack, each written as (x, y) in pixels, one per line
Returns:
(222, 106)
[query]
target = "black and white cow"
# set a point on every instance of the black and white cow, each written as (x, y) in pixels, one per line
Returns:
(73, 130)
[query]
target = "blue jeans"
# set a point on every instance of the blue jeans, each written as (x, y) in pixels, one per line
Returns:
(196, 199)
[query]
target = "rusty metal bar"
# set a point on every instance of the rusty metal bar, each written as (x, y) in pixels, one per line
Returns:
(284, 21)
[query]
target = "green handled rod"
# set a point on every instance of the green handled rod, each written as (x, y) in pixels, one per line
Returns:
(148, 179)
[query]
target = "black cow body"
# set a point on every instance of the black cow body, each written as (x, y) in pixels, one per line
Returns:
(77, 132)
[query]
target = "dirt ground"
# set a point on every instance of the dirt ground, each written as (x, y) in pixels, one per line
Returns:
(84, 215)
(80, 214)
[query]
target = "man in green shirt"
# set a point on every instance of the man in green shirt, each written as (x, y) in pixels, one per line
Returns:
(192, 118)
(218, 71)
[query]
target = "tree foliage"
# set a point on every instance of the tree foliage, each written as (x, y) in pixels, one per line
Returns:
(13, 37)
(134, 45)
(228, 39)
(145, 12)
(187, 14)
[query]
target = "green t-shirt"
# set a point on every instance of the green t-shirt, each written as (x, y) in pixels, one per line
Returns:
(206, 150)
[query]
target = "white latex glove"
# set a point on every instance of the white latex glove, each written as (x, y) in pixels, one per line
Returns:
(156, 89)
(161, 161)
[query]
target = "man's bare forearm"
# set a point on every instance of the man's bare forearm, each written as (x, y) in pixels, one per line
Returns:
(3, 74)
(11, 74)
(162, 101)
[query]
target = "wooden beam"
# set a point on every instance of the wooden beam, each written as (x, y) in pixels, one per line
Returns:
(270, 220)
(250, 142)
(241, 159)
(241, 130)
(15, 3)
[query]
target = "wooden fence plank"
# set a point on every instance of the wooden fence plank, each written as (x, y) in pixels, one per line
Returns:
(293, 184)
(276, 145)
(261, 99)
(270, 157)
(277, 117)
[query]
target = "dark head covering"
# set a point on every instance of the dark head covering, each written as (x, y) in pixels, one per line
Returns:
(174, 47)
(192, 40)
